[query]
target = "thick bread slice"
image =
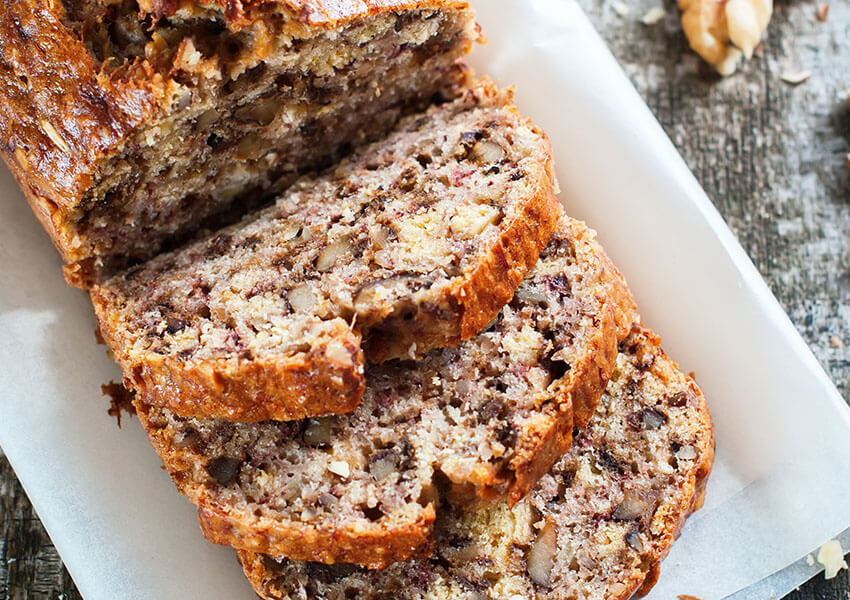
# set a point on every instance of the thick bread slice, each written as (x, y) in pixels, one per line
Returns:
(596, 526)
(482, 420)
(416, 242)
(128, 124)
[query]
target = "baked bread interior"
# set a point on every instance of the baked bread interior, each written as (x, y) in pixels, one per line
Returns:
(129, 123)
(596, 526)
(478, 422)
(415, 242)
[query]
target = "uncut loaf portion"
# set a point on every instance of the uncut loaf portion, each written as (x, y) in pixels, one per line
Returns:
(415, 242)
(128, 123)
(481, 421)
(596, 527)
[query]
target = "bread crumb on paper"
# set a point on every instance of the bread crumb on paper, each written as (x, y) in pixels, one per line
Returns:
(831, 556)
(688, 597)
(835, 341)
(823, 12)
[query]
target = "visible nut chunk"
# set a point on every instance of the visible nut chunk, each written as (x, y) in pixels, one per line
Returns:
(470, 221)
(383, 464)
(318, 432)
(302, 298)
(224, 469)
(487, 152)
(541, 557)
(54, 136)
(263, 111)
(332, 252)
(339, 467)
(721, 31)
(636, 504)
(207, 118)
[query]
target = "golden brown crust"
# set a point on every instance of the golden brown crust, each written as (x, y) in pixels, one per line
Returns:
(326, 13)
(273, 580)
(60, 114)
(310, 385)
(476, 298)
(63, 113)
(374, 548)
(693, 492)
(288, 388)
(582, 387)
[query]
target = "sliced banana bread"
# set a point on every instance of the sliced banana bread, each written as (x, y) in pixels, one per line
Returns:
(415, 242)
(596, 526)
(129, 122)
(483, 420)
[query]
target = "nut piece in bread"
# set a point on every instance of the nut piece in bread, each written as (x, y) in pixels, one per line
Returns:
(415, 242)
(596, 527)
(128, 124)
(482, 421)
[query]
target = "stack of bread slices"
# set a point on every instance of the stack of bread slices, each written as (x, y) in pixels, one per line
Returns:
(359, 329)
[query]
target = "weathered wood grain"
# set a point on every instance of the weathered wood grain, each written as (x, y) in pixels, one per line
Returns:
(30, 568)
(771, 156)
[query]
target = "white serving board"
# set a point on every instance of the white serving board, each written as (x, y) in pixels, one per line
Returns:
(782, 474)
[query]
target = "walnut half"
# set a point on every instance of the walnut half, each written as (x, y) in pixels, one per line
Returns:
(721, 31)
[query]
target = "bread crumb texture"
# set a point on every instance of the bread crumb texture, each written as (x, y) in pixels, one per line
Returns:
(419, 238)
(469, 423)
(595, 527)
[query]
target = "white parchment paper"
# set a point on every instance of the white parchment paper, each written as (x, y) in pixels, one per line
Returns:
(782, 476)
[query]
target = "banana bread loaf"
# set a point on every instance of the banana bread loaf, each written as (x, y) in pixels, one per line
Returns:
(483, 420)
(596, 527)
(416, 242)
(128, 123)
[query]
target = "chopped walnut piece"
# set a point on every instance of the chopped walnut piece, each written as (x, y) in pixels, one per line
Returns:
(721, 31)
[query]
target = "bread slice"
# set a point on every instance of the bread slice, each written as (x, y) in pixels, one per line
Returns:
(596, 527)
(483, 420)
(416, 242)
(127, 123)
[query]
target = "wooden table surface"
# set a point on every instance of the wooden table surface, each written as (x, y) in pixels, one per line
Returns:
(772, 156)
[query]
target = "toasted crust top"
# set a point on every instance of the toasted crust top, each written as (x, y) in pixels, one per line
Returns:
(307, 12)
(62, 110)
